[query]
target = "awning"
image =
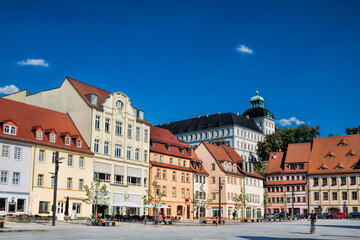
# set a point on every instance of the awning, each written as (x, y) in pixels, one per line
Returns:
(156, 205)
(127, 204)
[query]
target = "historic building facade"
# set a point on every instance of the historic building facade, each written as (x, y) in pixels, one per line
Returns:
(171, 169)
(334, 174)
(225, 178)
(241, 132)
(37, 136)
(116, 131)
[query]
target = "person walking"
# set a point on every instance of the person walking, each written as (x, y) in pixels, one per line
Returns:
(313, 218)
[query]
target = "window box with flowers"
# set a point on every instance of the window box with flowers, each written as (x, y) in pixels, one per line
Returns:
(43, 211)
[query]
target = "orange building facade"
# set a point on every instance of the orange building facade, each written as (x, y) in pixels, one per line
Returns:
(170, 167)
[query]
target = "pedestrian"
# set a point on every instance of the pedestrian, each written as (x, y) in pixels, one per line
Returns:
(145, 220)
(313, 217)
(159, 219)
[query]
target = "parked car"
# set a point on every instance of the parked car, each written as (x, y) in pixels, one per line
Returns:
(354, 215)
(339, 215)
(328, 215)
(270, 216)
(319, 215)
(304, 216)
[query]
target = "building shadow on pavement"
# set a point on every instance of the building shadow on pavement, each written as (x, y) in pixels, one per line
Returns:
(273, 238)
(340, 226)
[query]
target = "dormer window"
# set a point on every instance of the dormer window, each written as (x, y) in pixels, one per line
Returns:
(182, 150)
(52, 138)
(39, 135)
(343, 143)
(234, 168)
(67, 141)
(330, 154)
(351, 154)
(153, 144)
(78, 143)
(168, 147)
(10, 130)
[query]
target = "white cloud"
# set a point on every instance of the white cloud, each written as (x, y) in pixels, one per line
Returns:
(288, 122)
(9, 89)
(244, 49)
(34, 62)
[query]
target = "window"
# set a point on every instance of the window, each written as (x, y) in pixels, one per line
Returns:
(184, 163)
(213, 196)
(39, 135)
(183, 192)
(316, 181)
(179, 162)
(324, 181)
(107, 124)
(129, 131)
(161, 158)
(354, 195)
(343, 180)
(106, 148)
(187, 178)
(316, 196)
(155, 157)
(333, 181)
(96, 145)
(70, 160)
(10, 130)
(334, 196)
(171, 161)
(53, 157)
(81, 184)
(78, 143)
(67, 141)
(117, 150)
(164, 190)
(41, 155)
(76, 208)
(173, 192)
(4, 177)
(325, 196)
(5, 151)
(145, 155)
(137, 133)
(69, 183)
(16, 178)
(168, 147)
(118, 128)
(52, 138)
(213, 167)
(20, 205)
(158, 172)
(40, 180)
(174, 176)
(344, 195)
(182, 177)
(52, 182)
(17, 153)
(134, 181)
(164, 174)
(103, 177)
(187, 193)
(137, 154)
(43, 207)
(97, 122)
(213, 180)
(128, 153)
(146, 135)
(81, 162)
(352, 180)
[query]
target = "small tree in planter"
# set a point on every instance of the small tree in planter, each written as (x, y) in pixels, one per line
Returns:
(96, 194)
(154, 197)
(240, 202)
(201, 201)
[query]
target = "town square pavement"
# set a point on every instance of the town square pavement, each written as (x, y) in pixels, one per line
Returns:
(298, 229)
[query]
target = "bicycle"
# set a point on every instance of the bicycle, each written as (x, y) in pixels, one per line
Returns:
(92, 222)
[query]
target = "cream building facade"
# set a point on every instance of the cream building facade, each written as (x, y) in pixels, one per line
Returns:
(116, 131)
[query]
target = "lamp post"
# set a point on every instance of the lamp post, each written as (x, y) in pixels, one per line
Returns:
(292, 200)
(219, 212)
(57, 161)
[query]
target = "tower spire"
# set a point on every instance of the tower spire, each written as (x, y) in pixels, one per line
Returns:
(257, 101)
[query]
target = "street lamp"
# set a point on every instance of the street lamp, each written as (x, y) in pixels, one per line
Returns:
(220, 188)
(57, 161)
(292, 200)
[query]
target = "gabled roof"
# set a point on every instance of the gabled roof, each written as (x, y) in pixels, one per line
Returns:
(330, 145)
(26, 116)
(275, 163)
(83, 89)
(199, 168)
(233, 154)
(209, 122)
(298, 153)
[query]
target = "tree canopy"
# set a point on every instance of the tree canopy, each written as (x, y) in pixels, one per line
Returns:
(354, 130)
(279, 140)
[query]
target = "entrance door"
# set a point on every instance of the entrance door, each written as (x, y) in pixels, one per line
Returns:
(60, 215)
(188, 211)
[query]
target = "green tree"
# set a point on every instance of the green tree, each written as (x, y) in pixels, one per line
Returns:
(266, 202)
(279, 140)
(201, 201)
(351, 131)
(240, 203)
(96, 194)
(154, 196)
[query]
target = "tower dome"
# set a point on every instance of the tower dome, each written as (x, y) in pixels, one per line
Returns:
(258, 108)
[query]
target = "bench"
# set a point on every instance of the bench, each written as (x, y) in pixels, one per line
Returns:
(107, 223)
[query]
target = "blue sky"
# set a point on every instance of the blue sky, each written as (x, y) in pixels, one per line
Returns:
(182, 59)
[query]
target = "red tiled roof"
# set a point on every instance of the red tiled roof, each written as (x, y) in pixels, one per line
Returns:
(171, 166)
(165, 136)
(252, 174)
(233, 154)
(339, 146)
(275, 163)
(298, 153)
(199, 168)
(83, 89)
(220, 154)
(26, 116)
